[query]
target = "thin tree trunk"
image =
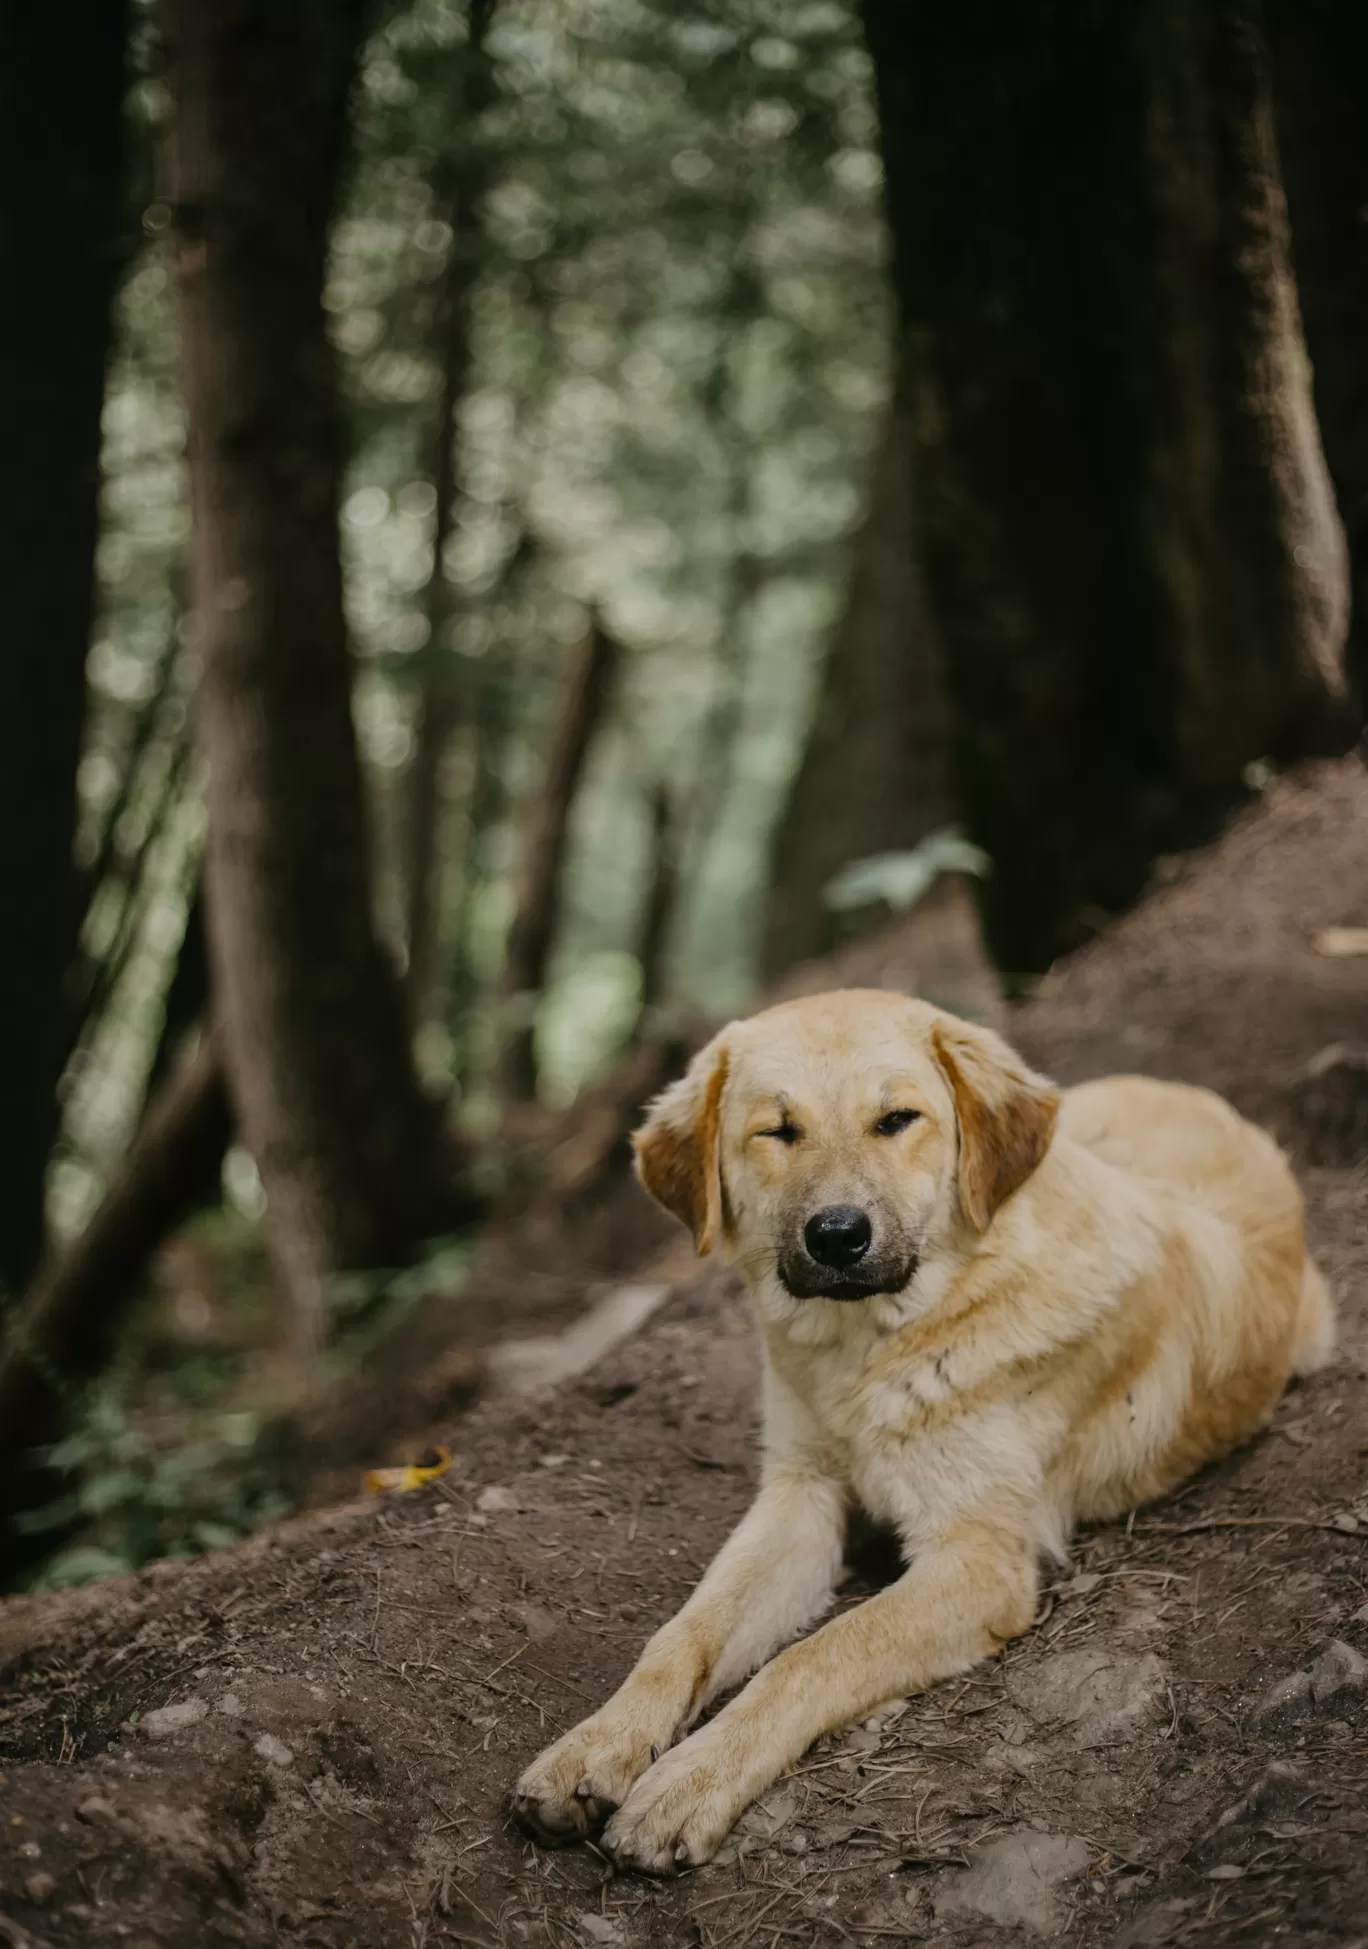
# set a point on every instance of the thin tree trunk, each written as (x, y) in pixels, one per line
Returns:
(65, 1330)
(309, 1013)
(1320, 75)
(461, 189)
(662, 896)
(875, 774)
(93, 981)
(536, 913)
(1129, 546)
(62, 81)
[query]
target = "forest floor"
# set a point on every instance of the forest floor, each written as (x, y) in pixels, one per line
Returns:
(351, 1694)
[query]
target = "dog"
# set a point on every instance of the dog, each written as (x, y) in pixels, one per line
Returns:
(988, 1309)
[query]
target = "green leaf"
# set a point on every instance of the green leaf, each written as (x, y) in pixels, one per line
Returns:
(902, 879)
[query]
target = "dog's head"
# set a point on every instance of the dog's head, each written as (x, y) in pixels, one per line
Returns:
(834, 1142)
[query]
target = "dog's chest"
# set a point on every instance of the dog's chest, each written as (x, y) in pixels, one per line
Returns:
(886, 1421)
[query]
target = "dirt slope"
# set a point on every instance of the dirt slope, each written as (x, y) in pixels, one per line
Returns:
(354, 1693)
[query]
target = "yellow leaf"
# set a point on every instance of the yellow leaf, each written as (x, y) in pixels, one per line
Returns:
(412, 1476)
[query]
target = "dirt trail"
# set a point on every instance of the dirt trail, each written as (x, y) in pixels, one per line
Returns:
(352, 1695)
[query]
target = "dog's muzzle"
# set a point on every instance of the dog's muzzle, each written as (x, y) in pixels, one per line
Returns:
(837, 1258)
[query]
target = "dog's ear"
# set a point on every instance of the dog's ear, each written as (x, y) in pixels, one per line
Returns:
(677, 1146)
(1005, 1113)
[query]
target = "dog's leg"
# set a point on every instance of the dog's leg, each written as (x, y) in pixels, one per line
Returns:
(959, 1603)
(773, 1576)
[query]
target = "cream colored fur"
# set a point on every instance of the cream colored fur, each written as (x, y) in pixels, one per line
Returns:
(1111, 1287)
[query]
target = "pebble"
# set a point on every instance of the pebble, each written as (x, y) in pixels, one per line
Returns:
(274, 1751)
(40, 1889)
(168, 1720)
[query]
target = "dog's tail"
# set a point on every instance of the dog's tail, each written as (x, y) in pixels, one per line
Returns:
(1314, 1338)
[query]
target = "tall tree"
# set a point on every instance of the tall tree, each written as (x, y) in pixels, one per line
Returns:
(875, 773)
(309, 1013)
(546, 837)
(1320, 71)
(62, 83)
(1129, 539)
(458, 181)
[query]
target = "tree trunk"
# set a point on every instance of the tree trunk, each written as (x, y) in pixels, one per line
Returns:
(459, 187)
(658, 910)
(1320, 72)
(875, 775)
(1129, 544)
(66, 1329)
(62, 80)
(309, 1013)
(536, 913)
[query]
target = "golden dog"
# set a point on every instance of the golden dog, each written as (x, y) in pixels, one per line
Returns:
(988, 1309)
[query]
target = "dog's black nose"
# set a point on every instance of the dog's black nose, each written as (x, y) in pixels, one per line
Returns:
(838, 1235)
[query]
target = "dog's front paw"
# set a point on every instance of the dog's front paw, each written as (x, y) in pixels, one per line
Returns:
(569, 1792)
(679, 1813)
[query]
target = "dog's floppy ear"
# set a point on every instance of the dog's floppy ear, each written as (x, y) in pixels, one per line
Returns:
(1005, 1113)
(677, 1146)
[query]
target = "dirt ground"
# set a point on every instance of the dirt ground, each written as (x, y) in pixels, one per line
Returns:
(1178, 1753)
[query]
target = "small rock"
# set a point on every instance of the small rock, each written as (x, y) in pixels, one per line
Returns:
(1013, 1881)
(29, 1850)
(94, 1810)
(168, 1720)
(1335, 1681)
(496, 1501)
(231, 1706)
(605, 1929)
(274, 1751)
(40, 1889)
(1339, 1675)
(1097, 1696)
(539, 1623)
(1288, 1700)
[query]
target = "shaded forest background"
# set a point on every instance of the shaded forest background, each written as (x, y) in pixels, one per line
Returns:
(526, 520)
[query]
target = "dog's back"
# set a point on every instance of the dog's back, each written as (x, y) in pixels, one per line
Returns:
(1195, 1143)
(1236, 1302)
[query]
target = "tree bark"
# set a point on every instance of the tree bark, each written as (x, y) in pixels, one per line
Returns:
(66, 1329)
(1129, 544)
(875, 773)
(536, 913)
(311, 1021)
(658, 910)
(459, 188)
(62, 81)
(1320, 72)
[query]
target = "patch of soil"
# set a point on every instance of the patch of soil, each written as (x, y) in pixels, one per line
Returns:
(364, 1684)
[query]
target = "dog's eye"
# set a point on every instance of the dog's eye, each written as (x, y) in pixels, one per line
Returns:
(895, 1121)
(783, 1133)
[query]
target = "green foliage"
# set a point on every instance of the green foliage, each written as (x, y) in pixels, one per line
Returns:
(900, 880)
(129, 1500)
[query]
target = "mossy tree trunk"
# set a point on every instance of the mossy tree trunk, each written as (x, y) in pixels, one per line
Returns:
(308, 1011)
(1128, 535)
